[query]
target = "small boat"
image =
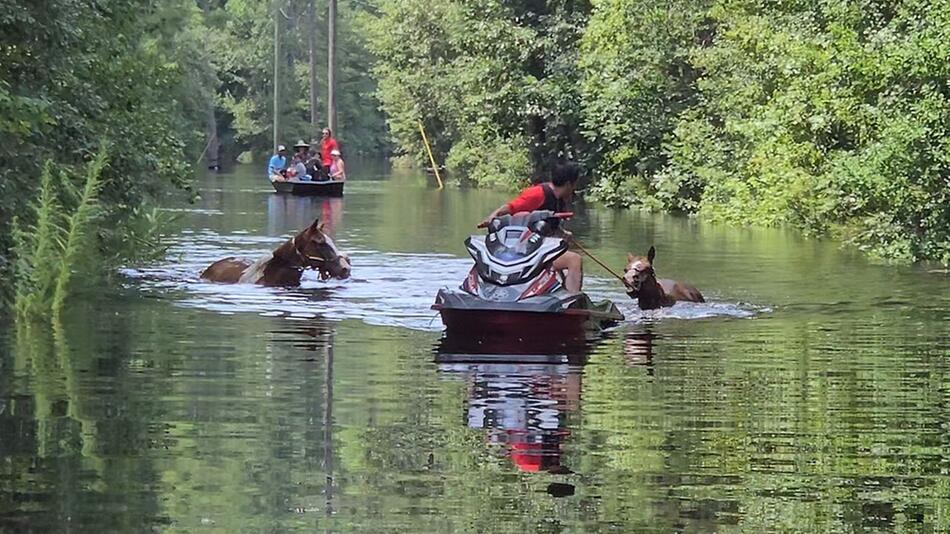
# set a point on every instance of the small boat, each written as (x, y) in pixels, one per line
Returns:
(326, 188)
(512, 292)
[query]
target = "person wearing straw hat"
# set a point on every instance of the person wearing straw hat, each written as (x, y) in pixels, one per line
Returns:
(301, 147)
(277, 163)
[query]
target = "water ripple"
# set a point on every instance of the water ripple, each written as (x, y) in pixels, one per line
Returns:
(387, 288)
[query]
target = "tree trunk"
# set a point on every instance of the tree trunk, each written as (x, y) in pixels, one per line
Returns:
(213, 144)
(277, 16)
(312, 43)
(331, 68)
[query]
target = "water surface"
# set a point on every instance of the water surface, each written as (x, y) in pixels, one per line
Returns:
(808, 394)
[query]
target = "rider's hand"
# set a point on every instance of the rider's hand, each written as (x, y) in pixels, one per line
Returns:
(484, 224)
(567, 235)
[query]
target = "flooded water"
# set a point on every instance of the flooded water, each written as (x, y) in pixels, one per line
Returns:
(808, 394)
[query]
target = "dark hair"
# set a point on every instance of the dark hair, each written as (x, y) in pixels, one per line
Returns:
(564, 173)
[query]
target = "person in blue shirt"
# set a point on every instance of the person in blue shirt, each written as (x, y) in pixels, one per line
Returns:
(275, 168)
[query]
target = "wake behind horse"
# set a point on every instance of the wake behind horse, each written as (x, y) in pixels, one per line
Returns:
(652, 293)
(310, 249)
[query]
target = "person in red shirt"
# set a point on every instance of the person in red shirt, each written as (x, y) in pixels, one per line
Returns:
(553, 196)
(327, 145)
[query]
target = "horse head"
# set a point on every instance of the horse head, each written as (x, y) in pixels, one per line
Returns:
(638, 271)
(318, 252)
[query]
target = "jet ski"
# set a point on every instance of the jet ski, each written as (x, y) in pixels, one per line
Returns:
(512, 290)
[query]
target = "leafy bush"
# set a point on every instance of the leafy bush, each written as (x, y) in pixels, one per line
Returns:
(491, 161)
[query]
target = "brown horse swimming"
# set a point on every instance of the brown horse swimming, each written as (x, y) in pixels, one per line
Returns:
(651, 293)
(310, 249)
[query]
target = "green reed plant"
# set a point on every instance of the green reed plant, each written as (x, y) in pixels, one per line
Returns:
(79, 227)
(48, 251)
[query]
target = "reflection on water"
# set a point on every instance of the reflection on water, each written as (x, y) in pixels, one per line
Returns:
(180, 406)
(638, 345)
(288, 214)
(522, 407)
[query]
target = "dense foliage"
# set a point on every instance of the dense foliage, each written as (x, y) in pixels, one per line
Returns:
(827, 116)
(240, 36)
(150, 83)
(77, 75)
(495, 82)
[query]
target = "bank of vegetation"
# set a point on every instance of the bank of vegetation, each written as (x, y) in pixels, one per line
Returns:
(156, 85)
(831, 117)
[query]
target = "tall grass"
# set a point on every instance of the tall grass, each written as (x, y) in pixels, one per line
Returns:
(48, 251)
(78, 226)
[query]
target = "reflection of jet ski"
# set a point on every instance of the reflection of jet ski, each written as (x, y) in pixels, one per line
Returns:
(512, 290)
(522, 408)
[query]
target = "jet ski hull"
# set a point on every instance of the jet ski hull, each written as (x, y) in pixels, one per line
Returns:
(548, 317)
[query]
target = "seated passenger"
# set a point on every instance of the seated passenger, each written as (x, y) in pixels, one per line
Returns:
(277, 163)
(299, 169)
(315, 168)
(337, 168)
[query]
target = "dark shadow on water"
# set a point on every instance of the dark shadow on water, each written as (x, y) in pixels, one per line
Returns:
(534, 348)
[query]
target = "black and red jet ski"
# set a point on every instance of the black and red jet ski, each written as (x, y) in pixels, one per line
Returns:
(512, 291)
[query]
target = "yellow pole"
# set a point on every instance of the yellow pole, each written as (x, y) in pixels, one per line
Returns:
(435, 168)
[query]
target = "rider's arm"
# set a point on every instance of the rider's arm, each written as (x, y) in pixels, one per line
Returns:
(530, 199)
(503, 210)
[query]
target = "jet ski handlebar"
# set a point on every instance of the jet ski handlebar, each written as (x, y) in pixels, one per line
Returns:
(532, 215)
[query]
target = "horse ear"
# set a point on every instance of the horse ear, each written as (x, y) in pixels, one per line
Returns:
(651, 254)
(316, 224)
(630, 257)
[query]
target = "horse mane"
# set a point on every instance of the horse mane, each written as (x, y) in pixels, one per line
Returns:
(255, 271)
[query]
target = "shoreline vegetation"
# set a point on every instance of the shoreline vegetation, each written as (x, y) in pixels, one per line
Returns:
(831, 118)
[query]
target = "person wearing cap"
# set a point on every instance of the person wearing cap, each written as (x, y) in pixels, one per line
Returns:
(275, 168)
(327, 145)
(337, 168)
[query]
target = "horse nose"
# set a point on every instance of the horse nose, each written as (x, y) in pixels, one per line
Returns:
(347, 267)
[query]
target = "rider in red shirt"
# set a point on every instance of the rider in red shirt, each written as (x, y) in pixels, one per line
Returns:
(327, 145)
(553, 196)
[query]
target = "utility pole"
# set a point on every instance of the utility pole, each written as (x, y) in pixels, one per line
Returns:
(331, 69)
(277, 16)
(214, 147)
(311, 37)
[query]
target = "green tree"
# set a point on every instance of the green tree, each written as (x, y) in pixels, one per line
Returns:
(243, 49)
(75, 76)
(493, 82)
(637, 80)
(829, 117)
